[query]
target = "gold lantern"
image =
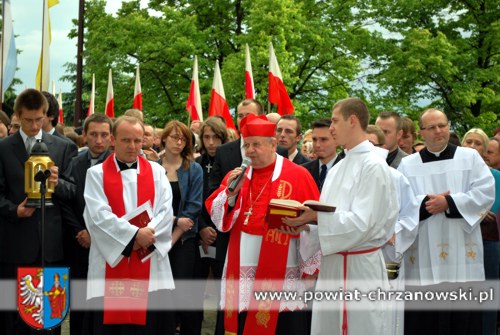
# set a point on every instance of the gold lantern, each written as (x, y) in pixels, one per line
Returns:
(37, 165)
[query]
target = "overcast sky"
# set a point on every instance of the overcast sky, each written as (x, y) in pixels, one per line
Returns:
(27, 22)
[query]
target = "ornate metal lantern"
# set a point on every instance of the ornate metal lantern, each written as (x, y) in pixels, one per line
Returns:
(39, 160)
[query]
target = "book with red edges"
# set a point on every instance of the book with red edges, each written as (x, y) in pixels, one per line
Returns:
(140, 217)
(280, 208)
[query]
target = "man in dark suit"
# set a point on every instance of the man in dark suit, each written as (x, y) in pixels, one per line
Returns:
(289, 134)
(20, 231)
(97, 134)
(391, 125)
(325, 148)
(52, 118)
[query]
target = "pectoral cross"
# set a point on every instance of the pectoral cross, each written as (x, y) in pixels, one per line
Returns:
(247, 214)
(209, 167)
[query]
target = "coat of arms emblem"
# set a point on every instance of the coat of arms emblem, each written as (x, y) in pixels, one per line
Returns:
(43, 296)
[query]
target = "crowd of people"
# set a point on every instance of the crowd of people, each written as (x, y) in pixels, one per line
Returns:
(402, 215)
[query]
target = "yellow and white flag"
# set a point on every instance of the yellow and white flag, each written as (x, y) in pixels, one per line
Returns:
(43, 72)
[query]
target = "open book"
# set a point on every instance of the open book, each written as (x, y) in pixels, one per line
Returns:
(140, 217)
(279, 208)
(317, 206)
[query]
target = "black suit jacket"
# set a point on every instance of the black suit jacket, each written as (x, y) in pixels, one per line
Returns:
(313, 167)
(20, 238)
(72, 212)
(299, 159)
(67, 139)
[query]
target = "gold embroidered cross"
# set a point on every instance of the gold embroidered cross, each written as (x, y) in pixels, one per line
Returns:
(470, 252)
(443, 254)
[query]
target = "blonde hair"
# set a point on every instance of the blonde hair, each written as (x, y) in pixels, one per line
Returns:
(481, 133)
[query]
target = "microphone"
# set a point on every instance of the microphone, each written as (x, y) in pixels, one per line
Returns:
(244, 165)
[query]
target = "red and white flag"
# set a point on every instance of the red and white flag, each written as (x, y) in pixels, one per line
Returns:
(249, 88)
(218, 104)
(193, 105)
(110, 97)
(277, 90)
(137, 91)
(59, 101)
(92, 97)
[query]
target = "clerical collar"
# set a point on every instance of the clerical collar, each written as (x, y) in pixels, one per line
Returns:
(447, 153)
(125, 166)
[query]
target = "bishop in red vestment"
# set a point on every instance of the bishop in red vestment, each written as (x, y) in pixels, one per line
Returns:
(260, 259)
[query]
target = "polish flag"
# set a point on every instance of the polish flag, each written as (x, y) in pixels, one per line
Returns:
(59, 101)
(193, 105)
(249, 88)
(277, 90)
(137, 91)
(92, 97)
(110, 97)
(218, 104)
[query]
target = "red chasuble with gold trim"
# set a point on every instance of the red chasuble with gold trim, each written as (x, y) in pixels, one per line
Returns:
(292, 182)
(126, 284)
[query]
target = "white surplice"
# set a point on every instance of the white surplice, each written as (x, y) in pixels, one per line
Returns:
(361, 188)
(449, 249)
(406, 232)
(111, 234)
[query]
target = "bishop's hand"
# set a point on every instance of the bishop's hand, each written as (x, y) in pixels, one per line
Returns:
(232, 176)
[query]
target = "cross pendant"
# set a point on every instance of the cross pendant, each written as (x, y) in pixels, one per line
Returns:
(209, 167)
(247, 214)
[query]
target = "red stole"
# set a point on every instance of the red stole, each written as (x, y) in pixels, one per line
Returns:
(126, 284)
(262, 316)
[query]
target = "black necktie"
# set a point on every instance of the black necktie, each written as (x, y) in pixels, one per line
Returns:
(322, 176)
(124, 166)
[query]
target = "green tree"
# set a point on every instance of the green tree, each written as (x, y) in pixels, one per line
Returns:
(438, 53)
(311, 41)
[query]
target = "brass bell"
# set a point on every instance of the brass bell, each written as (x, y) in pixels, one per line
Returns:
(39, 160)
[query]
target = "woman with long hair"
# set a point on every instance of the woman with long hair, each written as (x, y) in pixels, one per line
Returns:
(185, 177)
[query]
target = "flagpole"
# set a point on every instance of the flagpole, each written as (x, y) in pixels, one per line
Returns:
(2, 56)
(79, 66)
(43, 40)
